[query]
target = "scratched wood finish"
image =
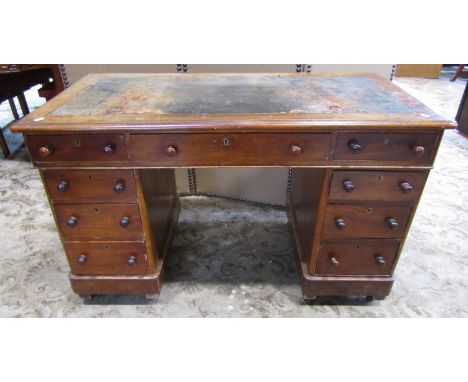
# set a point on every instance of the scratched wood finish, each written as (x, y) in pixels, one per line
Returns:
(381, 146)
(99, 221)
(384, 186)
(225, 103)
(107, 258)
(230, 149)
(91, 186)
(368, 258)
(364, 221)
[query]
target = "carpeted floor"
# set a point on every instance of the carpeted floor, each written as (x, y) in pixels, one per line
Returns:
(235, 260)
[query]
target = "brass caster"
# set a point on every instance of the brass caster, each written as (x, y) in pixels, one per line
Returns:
(308, 300)
(152, 297)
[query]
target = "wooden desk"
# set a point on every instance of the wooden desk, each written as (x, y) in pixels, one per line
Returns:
(360, 149)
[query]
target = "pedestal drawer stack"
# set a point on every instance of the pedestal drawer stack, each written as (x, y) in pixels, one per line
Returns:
(98, 216)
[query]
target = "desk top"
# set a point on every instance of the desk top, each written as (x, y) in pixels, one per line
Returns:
(212, 102)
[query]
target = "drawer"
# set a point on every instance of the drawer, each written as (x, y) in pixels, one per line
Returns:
(357, 259)
(99, 221)
(91, 185)
(101, 258)
(412, 148)
(77, 148)
(365, 221)
(386, 186)
(230, 149)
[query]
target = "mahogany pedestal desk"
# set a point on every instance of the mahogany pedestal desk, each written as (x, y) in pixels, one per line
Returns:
(360, 150)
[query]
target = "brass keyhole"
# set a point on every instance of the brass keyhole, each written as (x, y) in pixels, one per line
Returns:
(226, 142)
(77, 143)
(380, 177)
(385, 140)
(96, 210)
(369, 210)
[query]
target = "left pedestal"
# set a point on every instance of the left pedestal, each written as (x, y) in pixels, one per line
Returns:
(116, 226)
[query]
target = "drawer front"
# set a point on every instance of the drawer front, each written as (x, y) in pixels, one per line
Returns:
(412, 148)
(388, 186)
(230, 149)
(357, 259)
(77, 148)
(365, 221)
(91, 185)
(101, 258)
(99, 221)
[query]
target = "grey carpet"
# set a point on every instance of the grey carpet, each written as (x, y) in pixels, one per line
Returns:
(235, 260)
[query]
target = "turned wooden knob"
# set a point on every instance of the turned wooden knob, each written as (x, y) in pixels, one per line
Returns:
(119, 186)
(340, 223)
(108, 148)
(171, 150)
(45, 151)
(334, 261)
(348, 186)
(392, 224)
(131, 260)
(380, 260)
(62, 186)
(296, 150)
(419, 150)
(124, 221)
(354, 146)
(72, 221)
(406, 187)
(82, 259)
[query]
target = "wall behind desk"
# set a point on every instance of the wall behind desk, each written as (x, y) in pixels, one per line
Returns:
(259, 184)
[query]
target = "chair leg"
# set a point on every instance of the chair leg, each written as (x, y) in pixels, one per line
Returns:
(23, 103)
(458, 72)
(13, 108)
(3, 144)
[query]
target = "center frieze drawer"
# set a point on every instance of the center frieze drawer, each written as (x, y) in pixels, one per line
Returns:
(229, 149)
(365, 221)
(99, 221)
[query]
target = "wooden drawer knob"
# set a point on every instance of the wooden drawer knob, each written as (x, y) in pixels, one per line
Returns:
(354, 146)
(380, 260)
(340, 223)
(392, 224)
(124, 222)
(419, 150)
(109, 148)
(119, 186)
(171, 150)
(406, 187)
(82, 259)
(72, 221)
(132, 260)
(296, 150)
(348, 186)
(334, 261)
(45, 151)
(62, 186)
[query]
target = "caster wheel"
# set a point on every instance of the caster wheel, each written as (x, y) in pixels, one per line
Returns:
(369, 298)
(308, 300)
(152, 297)
(86, 296)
